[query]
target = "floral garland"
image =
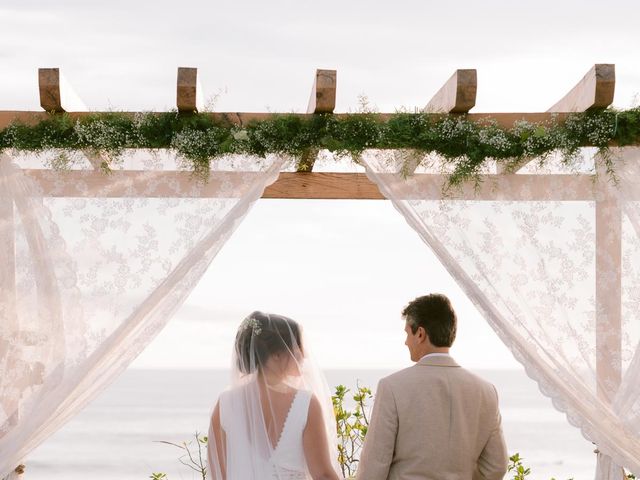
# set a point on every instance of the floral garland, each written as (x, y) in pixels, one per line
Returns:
(467, 146)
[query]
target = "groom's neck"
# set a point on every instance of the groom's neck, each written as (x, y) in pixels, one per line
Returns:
(432, 349)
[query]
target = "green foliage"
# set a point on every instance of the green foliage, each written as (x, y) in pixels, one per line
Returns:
(351, 426)
(519, 471)
(199, 138)
(191, 458)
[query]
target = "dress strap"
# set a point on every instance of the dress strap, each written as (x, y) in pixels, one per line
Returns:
(296, 420)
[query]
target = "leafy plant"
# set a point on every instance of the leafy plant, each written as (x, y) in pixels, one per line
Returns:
(466, 146)
(351, 426)
(191, 459)
(516, 467)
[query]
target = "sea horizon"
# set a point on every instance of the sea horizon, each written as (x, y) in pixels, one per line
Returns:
(116, 435)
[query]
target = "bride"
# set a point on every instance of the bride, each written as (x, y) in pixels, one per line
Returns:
(276, 421)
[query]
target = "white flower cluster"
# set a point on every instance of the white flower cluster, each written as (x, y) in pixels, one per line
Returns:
(101, 135)
(495, 138)
(253, 324)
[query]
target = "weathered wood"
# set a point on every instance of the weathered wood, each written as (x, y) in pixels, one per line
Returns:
(594, 91)
(504, 120)
(49, 85)
(608, 291)
(315, 185)
(322, 100)
(187, 94)
(8, 319)
(457, 95)
(328, 186)
(323, 93)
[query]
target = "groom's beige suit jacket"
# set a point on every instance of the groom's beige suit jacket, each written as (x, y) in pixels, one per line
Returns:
(434, 421)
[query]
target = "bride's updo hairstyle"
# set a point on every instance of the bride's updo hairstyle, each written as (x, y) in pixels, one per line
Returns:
(264, 334)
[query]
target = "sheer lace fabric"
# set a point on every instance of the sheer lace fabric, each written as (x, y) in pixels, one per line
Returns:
(530, 268)
(87, 282)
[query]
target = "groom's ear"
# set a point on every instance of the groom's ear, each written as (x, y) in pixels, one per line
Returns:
(422, 334)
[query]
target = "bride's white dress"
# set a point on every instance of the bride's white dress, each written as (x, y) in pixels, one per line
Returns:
(250, 459)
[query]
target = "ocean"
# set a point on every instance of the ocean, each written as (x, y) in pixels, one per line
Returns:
(116, 436)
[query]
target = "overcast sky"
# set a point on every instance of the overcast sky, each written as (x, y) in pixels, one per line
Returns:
(343, 269)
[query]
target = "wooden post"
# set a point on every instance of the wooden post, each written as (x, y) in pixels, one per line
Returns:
(322, 100)
(608, 290)
(8, 319)
(188, 96)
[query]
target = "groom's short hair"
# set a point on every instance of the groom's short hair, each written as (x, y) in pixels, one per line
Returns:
(435, 314)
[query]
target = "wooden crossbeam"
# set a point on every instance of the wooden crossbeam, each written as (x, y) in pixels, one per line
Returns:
(457, 95)
(504, 120)
(49, 85)
(307, 185)
(188, 95)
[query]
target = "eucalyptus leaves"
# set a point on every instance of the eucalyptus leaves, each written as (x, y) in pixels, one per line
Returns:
(198, 138)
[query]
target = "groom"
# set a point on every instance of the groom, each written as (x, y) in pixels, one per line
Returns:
(434, 420)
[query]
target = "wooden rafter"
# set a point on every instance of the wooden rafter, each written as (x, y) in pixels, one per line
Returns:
(457, 95)
(294, 185)
(595, 91)
(49, 85)
(323, 93)
(321, 100)
(188, 96)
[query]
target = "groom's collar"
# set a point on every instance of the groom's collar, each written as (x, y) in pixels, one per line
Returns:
(438, 361)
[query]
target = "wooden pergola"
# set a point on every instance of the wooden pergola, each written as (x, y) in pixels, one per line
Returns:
(457, 97)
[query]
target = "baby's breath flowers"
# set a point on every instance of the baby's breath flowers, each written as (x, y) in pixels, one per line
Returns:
(251, 323)
(465, 146)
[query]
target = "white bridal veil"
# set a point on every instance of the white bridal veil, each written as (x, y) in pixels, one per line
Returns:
(258, 424)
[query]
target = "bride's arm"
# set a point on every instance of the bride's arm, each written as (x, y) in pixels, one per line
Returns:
(316, 445)
(217, 435)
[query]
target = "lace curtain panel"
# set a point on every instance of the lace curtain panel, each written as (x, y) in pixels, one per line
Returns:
(553, 264)
(88, 280)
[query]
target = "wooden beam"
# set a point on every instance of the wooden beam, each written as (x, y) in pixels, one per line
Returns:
(322, 100)
(187, 96)
(594, 91)
(323, 93)
(8, 318)
(315, 185)
(608, 290)
(49, 85)
(457, 95)
(504, 120)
